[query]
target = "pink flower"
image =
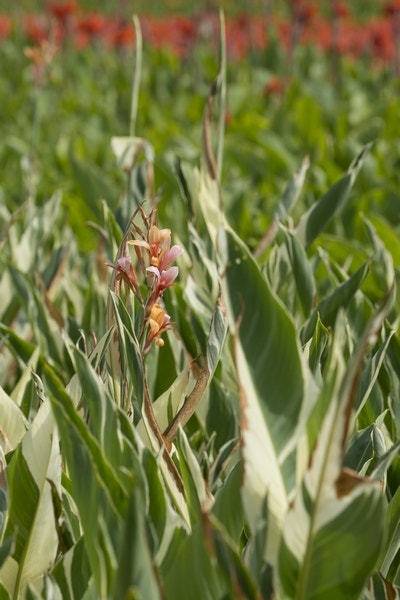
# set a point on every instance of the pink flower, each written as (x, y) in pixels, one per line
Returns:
(168, 256)
(126, 273)
(158, 246)
(164, 279)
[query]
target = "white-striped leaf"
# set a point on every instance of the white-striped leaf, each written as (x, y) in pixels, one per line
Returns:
(334, 527)
(271, 381)
(35, 461)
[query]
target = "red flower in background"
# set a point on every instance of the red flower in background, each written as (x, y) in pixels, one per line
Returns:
(378, 37)
(89, 27)
(392, 8)
(92, 24)
(36, 27)
(176, 33)
(121, 35)
(62, 10)
(304, 12)
(340, 10)
(382, 43)
(62, 13)
(275, 86)
(5, 27)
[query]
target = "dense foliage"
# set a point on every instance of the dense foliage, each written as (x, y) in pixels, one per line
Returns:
(199, 360)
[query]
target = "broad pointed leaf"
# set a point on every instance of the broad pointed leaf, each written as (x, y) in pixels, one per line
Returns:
(95, 483)
(271, 381)
(334, 528)
(136, 569)
(320, 214)
(13, 423)
(328, 308)
(35, 460)
(302, 272)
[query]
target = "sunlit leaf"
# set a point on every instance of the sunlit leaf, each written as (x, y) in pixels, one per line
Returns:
(94, 483)
(13, 422)
(331, 500)
(127, 151)
(64, 572)
(35, 460)
(266, 351)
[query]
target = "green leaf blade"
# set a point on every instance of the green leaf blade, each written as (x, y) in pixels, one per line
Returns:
(316, 219)
(266, 351)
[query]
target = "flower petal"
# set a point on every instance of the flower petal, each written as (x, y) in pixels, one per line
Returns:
(169, 256)
(155, 271)
(168, 276)
(139, 243)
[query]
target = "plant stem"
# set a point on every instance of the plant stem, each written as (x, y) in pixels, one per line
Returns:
(222, 95)
(191, 402)
(137, 72)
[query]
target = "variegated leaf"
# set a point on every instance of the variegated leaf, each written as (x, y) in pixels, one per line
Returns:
(334, 527)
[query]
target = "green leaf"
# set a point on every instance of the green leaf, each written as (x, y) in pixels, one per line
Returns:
(17, 345)
(254, 556)
(292, 192)
(302, 272)
(167, 405)
(228, 504)
(47, 331)
(216, 337)
(384, 460)
(370, 374)
(64, 573)
(225, 459)
(202, 285)
(127, 151)
(208, 196)
(379, 588)
(317, 347)
(222, 416)
(288, 200)
(135, 564)
(94, 482)
(34, 461)
(127, 354)
(266, 352)
(238, 579)
(103, 412)
(337, 517)
(7, 547)
(316, 219)
(392, 546)
(167, 467)
(383, 260)
(328, 308)
(197, 494)
(158, 508)
(190, 565)
(363, 447)
(13, 422)
(354, 537)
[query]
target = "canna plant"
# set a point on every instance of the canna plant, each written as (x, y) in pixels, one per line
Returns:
(228, 430)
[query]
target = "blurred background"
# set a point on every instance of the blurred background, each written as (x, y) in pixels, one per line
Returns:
(304, 78)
